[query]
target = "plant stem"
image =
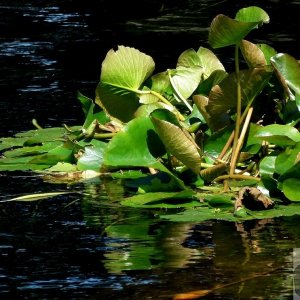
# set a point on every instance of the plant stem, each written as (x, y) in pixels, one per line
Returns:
(238, 108)
(235, 176)
(230, 139)
(240, 142)
(103, 135)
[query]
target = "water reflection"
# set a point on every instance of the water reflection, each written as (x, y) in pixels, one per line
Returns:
(86, 244)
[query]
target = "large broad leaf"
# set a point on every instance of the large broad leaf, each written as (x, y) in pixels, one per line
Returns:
(204, 58)
(225, 31)
(137, 145)
(185, 80)
(178, 143)
(252, 14)
(288, 69)
(281, 135)
(222, 97)
(122, 74)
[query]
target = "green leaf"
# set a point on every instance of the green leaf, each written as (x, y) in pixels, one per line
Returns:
(37, 137)
(203, 58)
(92, 157)
(186, 80)
(63, 167)
(122, 74)
(21, 164)
(289, 69)
(31, 151)
(137, 144)
(200, 214)
(163, 200)
(62, 153)
(278, 134)
(178, 143)
(225, 31)
(268, 52)
(290, 188)
(252, 14)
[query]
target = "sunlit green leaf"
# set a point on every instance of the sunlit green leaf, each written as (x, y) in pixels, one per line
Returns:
(252, 14)
(92, 157)
(122, 74)
(185, 80)
(137, 144)
(63, 167)
(268, 52)
(203, 58)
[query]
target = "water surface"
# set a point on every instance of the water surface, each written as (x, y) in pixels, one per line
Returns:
(85, 245)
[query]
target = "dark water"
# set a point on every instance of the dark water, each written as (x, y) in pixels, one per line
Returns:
(84, 245)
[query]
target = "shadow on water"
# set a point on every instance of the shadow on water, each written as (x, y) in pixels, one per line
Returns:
(85, 245)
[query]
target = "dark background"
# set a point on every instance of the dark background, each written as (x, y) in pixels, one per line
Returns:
(51, 49)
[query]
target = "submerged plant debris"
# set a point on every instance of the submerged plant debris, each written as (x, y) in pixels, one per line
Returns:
(197, 140)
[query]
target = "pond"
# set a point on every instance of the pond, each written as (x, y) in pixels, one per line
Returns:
(85, 245)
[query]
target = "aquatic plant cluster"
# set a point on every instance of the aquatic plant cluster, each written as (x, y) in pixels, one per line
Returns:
(209, 143)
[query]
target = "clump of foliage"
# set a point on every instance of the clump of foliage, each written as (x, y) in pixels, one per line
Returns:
(216, 144)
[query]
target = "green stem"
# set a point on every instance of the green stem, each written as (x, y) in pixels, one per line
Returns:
(103, 135)
(36, 124)
(238, 109)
